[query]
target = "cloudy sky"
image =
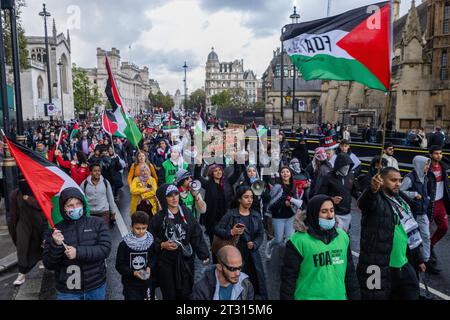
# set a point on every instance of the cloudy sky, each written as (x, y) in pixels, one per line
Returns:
(164, 33)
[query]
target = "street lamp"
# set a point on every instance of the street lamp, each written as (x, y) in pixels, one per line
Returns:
(11, 7)
(60, 65)
(294, 19)
(185, 66)
(44, 13)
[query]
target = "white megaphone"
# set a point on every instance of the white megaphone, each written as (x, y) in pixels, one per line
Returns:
(196, 185)
(296, 203)
(258, 187)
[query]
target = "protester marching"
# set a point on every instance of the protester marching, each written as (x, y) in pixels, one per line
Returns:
(210, 212)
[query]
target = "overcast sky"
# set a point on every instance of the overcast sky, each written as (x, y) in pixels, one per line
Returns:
(165, 33)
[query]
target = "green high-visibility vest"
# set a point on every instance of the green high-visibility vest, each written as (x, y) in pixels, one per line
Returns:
(323, 269)
(170, 170)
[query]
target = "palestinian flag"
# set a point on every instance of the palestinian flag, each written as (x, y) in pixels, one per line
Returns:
(75, 131)
(109, 123)
(353, 46)
(45, 179)
(262, 130)
(200, 126)
(125, 124)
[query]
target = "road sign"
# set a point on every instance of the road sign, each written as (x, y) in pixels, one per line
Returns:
(301, 105)
(50, 109)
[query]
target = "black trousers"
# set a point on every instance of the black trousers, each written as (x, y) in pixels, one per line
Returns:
(135, 293)
(404, 283)
(168, 283)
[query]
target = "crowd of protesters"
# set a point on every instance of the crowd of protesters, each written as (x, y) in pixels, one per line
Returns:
(223, 221)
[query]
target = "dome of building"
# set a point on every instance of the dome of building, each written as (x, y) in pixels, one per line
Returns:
(212, 56)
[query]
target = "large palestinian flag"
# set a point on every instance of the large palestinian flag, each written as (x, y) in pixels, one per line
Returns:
(45, 179)
(125, 123)
(355, 45)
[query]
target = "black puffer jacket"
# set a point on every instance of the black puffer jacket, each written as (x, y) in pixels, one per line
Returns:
(336, 185)
(92, 240)
(377, 234)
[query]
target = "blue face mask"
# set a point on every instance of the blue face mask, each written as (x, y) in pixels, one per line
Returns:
(326, 223)
(75, 214)
(253, 179)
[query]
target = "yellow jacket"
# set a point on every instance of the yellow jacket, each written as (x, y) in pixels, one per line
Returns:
(138, 193)
(136, 169)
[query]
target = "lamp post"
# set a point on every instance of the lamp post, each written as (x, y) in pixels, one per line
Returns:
(282, 76)
(60, 65)
(11, 6)
(294, 19)
(3, 85)
(185, 66)
(44, 13)
(9, 165)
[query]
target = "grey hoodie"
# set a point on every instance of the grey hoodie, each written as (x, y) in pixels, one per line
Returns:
(419, 163)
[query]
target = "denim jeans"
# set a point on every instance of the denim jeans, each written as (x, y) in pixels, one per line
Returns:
(424, 229)
(344, 221)
(282, 229)
(94, 294)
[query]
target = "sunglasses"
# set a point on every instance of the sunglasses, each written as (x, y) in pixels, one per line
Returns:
(232, 269)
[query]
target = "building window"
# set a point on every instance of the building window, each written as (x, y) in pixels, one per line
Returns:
(439, 111)
(444, 66)
(40, 87)
(446, 18)
(63, 80)
(278, 71)
(410, 123)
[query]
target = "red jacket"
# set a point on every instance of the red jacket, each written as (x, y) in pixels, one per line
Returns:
(77, 172)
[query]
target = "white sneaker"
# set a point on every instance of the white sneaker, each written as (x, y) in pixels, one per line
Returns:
(20, 279)
(268, 250)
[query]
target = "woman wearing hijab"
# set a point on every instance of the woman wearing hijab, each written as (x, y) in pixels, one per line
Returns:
(177, 236)
(143, 188)
(242, 220)
(318, 261)
(250, 176)
(172, 165)
(141, 158)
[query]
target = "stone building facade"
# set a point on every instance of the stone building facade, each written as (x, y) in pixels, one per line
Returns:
(133, 82)
(307, 94)
(221, 76)
(34, 79)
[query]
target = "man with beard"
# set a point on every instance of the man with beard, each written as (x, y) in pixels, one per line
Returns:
(390, 241)
(224, 281)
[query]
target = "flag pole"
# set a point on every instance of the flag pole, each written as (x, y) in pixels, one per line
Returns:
(387, 107)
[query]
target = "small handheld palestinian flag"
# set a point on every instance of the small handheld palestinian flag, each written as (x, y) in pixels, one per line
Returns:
(45, 179)
(352, 46)
(75, 131)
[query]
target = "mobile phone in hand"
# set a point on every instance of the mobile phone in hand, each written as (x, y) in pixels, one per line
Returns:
(240, 225)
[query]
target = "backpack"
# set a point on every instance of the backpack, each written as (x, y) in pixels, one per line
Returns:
(105, 181)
